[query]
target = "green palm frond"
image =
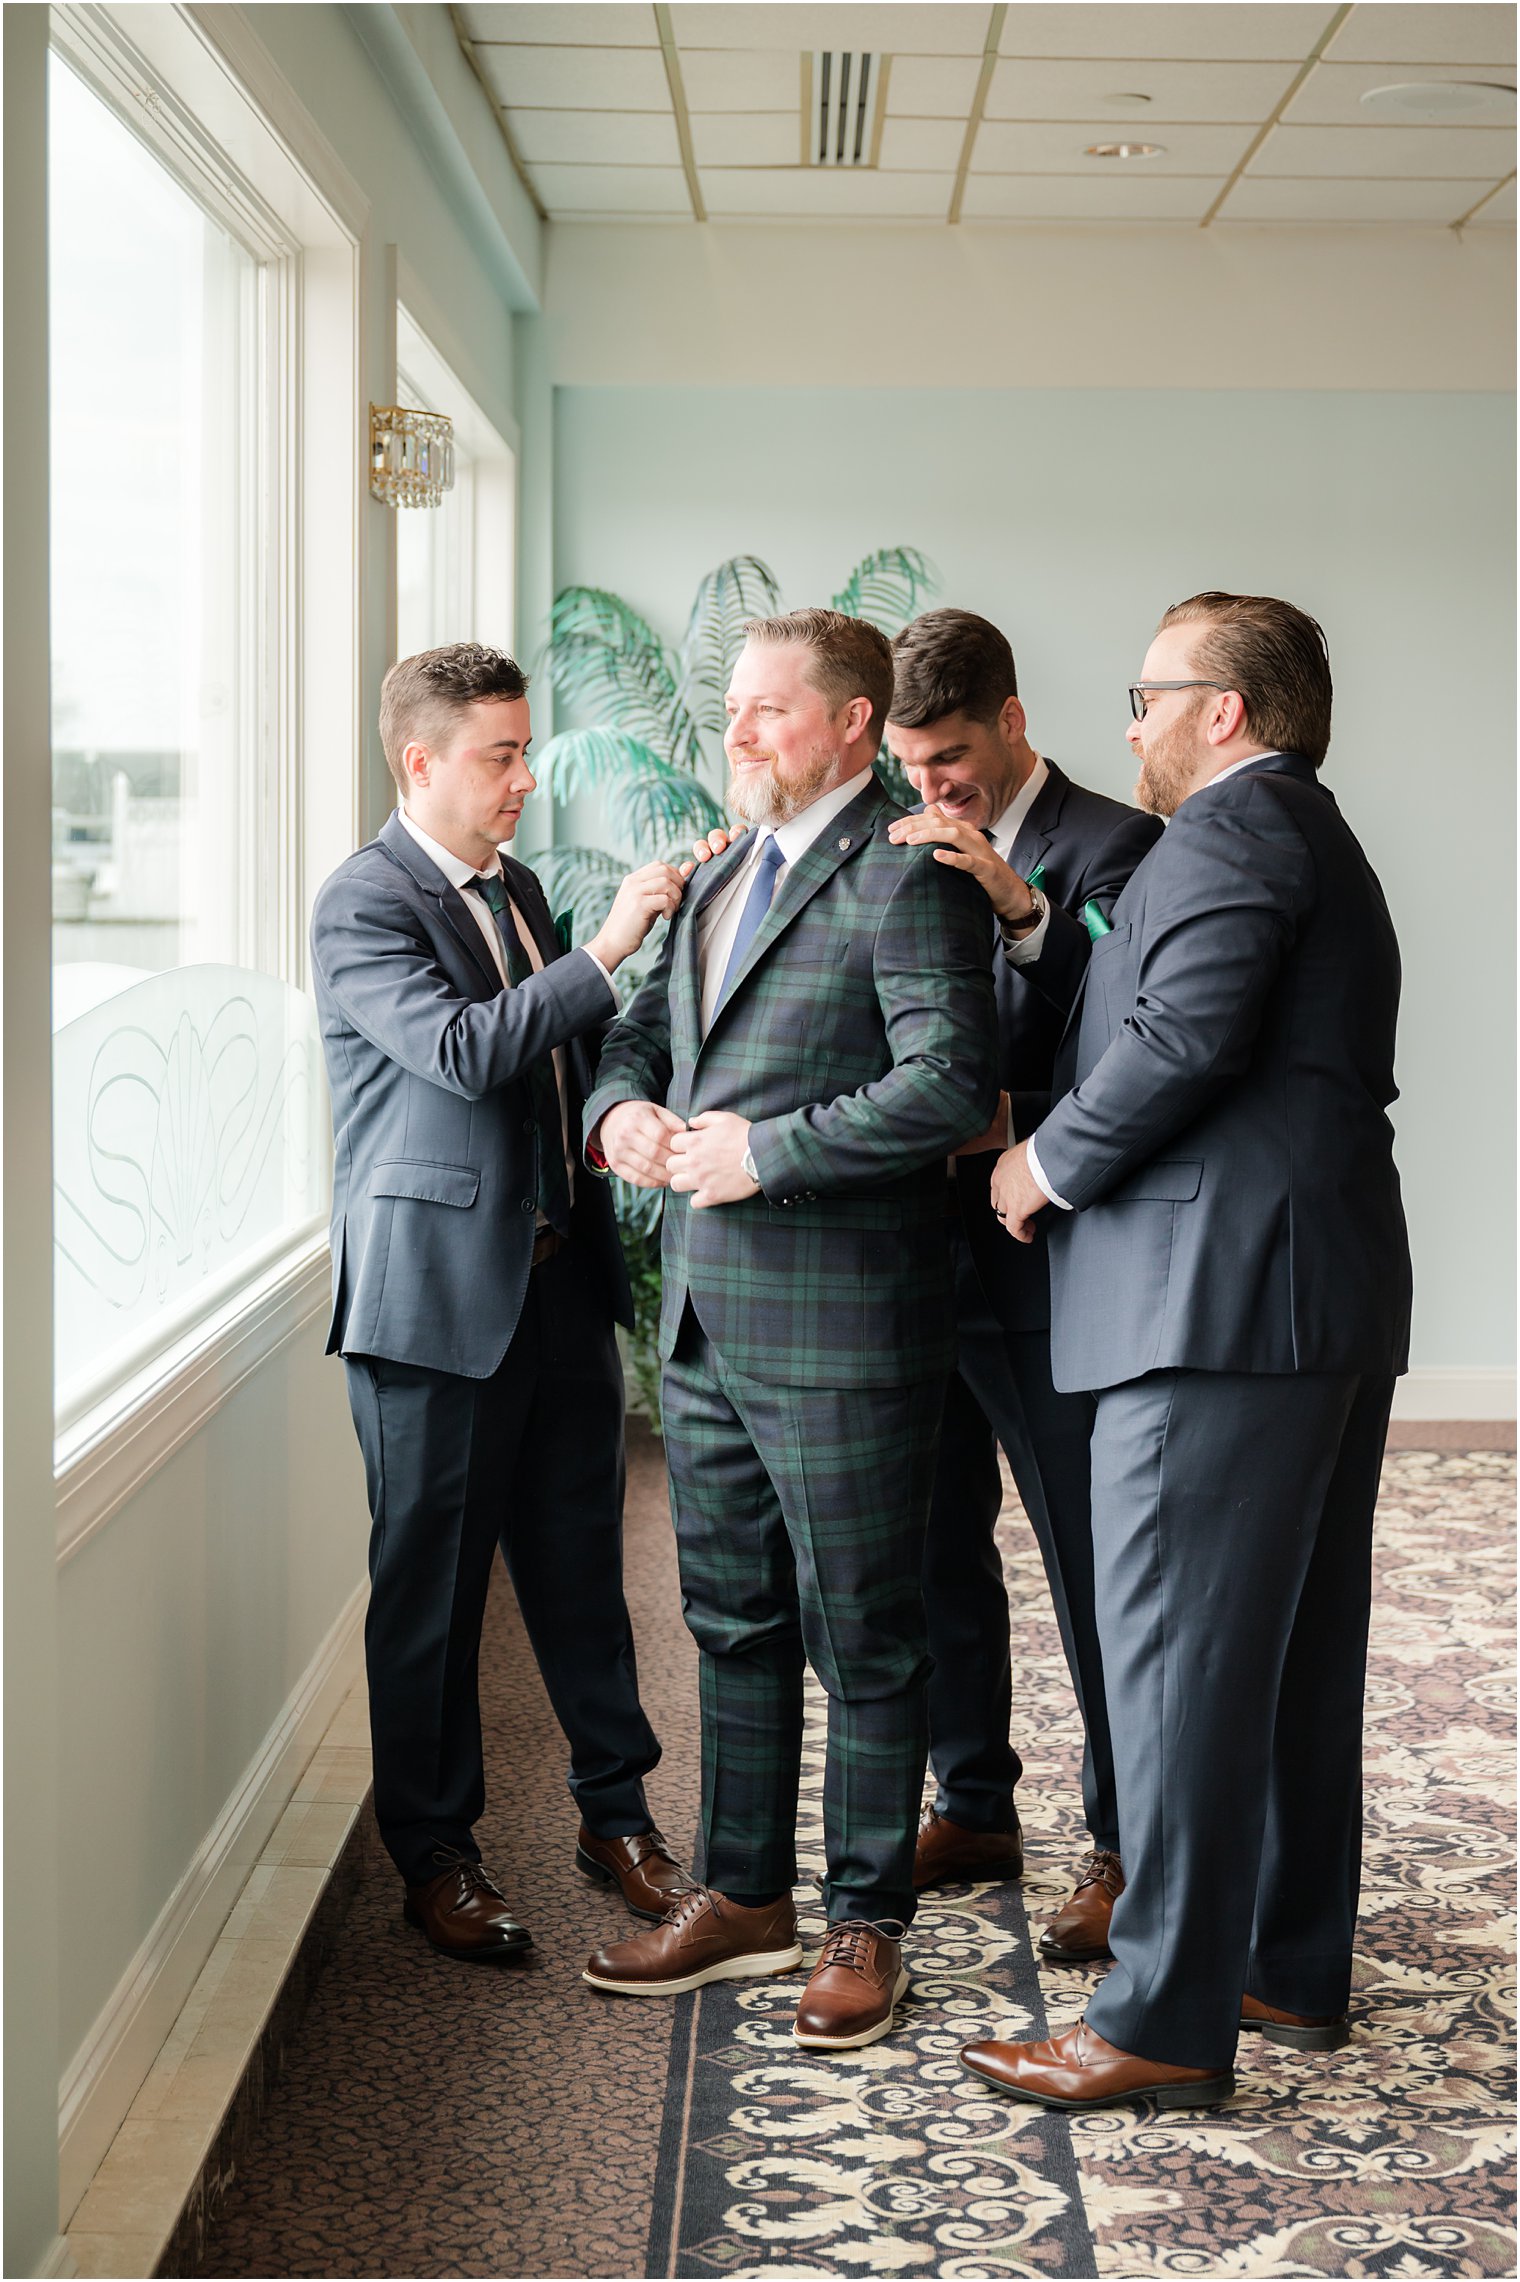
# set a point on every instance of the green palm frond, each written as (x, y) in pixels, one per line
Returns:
(743, 587)
(584, 880)
(888, 587)
(608, 660)
(638, 1210)
(652, 807)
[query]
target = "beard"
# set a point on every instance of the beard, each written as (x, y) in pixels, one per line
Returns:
(1168, 766)
(764, 798)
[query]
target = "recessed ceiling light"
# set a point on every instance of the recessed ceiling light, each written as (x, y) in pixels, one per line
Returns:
(1125, 150)
(1441, 99)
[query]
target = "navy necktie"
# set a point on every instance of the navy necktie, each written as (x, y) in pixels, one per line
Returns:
(543, 1087)
(756, 904)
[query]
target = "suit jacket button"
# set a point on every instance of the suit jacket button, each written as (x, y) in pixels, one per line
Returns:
(528, 1204)
(528, 1126)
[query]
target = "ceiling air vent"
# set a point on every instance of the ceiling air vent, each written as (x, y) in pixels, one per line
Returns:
(842, 105)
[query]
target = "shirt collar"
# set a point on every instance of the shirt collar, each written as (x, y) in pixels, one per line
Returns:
(798, 833)
(1005, 829)
(1235, 767)
(454, 868)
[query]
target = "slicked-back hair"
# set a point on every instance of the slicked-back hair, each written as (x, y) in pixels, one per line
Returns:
(1274, 655)
(850, 658)
(422, 697)
(951, 661)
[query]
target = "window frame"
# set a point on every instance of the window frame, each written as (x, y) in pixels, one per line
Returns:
(197, 87)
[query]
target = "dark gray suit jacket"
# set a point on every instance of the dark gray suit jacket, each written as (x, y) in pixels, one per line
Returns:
(436, 1170)
(1224, 1136)
(1087, 846)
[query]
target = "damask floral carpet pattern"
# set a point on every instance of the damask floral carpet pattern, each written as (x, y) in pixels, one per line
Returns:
(1389, 2158)
(436, 2121)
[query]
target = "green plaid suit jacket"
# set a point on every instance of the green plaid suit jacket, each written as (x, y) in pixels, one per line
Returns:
(860, 1037)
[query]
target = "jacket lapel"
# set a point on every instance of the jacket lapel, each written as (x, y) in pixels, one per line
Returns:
(842, 838)
(398, 842)
(1038, 829)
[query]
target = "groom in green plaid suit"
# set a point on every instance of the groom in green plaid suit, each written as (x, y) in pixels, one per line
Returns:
(818, 1036)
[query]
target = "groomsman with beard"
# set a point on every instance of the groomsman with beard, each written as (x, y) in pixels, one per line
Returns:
(1230, 1272)
(1052, 857)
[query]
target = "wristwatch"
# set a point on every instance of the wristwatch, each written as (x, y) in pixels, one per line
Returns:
(1015, 930)
(747, 1167)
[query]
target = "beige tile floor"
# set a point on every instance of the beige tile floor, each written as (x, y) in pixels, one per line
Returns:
(123, 2224)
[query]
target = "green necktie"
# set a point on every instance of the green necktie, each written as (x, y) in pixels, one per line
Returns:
(543, 1089)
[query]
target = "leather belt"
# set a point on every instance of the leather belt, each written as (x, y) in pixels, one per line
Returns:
(546, 1243)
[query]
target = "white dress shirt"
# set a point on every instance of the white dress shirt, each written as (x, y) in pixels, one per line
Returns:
(467, 880)
(1036, 1169)
(719, 922)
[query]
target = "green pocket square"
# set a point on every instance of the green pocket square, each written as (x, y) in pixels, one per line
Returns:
(564, 931)
(1093, 919)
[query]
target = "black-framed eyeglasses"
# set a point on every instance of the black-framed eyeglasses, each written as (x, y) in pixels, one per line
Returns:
(1138, 691)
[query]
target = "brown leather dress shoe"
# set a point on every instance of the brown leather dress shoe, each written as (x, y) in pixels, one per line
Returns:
(1078, 1932)
(464, 1914)
(643, 1867)
(1079, 2070)
(854, 1988)
(948, 1849)
(1302, 2032)
(702, 1937)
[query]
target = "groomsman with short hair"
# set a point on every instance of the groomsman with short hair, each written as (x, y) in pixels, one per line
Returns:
(1231, 1274)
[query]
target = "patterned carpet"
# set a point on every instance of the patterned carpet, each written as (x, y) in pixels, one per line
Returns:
(1390, 2158)
(434, 2120)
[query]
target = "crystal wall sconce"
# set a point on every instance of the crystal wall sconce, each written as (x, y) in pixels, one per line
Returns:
(411, 456)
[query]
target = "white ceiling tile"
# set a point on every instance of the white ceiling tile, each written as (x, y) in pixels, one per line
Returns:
(1500, 208)
(1332, 95)
(1446, 33)
(1074, 198)
(1436, 153)
(627, 25)
(1262, 33)
(946, 28)
(578, 79)
(922, 144)
(740, 138)
(1261, 198)
(1035, 88)
(740, 79)
(932, 86)
(596, 138)
(827, 193)
(612, 189)
(1042, 147)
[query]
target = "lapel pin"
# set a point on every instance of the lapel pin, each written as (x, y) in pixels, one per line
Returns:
(844, 843)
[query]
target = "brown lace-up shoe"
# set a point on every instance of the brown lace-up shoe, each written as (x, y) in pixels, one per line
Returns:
(854, 1988)
(947, 1849)
(703, 1936)
(1079, 2070)
(1302, 2032)
(642, 1867)
(464, 1914)
(1078, 1932)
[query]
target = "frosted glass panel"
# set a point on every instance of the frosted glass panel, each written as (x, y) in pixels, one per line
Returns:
(190, 1151)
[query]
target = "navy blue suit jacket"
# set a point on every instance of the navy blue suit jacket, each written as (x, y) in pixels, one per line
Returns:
(1225, 1082)
(1088, 846)
(436, 1171)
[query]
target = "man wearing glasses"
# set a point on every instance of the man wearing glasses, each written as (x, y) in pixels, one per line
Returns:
(1230, 1274)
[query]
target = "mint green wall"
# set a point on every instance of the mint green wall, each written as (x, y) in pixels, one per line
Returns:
(1072, 518)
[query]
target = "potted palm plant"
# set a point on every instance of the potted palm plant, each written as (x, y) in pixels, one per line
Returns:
(651, 758)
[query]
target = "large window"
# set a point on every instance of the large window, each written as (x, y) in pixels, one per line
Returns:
(187, 1102)
(454, 562)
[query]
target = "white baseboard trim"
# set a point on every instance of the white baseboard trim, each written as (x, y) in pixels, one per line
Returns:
(1446, 1393)
(107, 2072)
(57, 2258)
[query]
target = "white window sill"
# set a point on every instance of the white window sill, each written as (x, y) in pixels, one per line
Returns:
(102, 1457)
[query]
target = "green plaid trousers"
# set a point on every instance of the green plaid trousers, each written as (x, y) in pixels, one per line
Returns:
(800, 1516)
